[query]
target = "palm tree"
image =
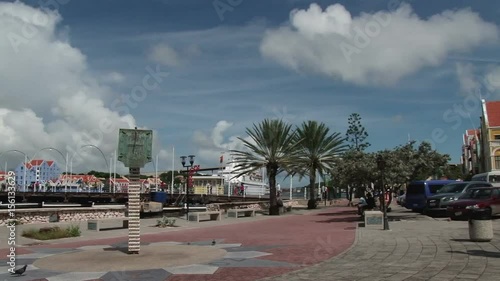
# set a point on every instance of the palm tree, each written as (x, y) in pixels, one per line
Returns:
(318, 151)
(272, 145)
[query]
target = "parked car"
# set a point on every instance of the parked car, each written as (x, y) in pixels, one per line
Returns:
(417, 193)
(401, 199)
(450, 193)
(487, 198)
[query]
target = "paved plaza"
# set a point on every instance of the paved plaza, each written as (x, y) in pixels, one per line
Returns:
(325, 244)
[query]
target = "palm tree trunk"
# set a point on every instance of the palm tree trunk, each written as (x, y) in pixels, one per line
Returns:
(273, 202)
(311, 204)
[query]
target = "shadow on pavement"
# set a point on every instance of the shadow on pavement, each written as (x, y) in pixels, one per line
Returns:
(344, 219)
(120, 249)
(479, 253)
(460, 240)
(341, 213)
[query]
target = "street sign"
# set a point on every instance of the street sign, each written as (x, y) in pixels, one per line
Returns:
(135, 147)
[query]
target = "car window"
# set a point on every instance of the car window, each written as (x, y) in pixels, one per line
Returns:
(482, 193)
(468, 194)
(452, 188)
(479, 185)
(496, 193)
(433, 188)
(494, 178)
(416, 189)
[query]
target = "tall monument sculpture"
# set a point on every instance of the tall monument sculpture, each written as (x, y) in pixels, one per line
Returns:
(134, 151)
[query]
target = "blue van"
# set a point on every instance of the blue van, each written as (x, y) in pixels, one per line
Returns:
(417, 193)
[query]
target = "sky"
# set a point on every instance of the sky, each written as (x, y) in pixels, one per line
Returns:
(198, 73)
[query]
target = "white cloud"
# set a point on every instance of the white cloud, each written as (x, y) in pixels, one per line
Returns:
(392, 44)
(212, 144)
(468, 81)
(397, 118)
(482, 83)
(493, 78)
(49, 97)
(113, 77)
(166, 55)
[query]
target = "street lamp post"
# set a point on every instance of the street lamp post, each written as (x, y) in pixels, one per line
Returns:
(74, 154)
(381, 166)
(187, 166)
(24, 165)
(60, 153)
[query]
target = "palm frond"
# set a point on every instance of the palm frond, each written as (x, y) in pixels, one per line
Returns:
(319, 150)
(271, 145)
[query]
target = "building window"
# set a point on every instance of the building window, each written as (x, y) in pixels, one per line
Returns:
(497, 162)
(497, 137)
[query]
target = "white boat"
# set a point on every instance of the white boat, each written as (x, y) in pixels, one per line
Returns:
(254, 183)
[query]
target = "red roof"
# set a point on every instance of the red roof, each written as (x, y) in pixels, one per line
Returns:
(493, 113)
(120, 179)
(472, 132)
(38, 162)
(34, 163)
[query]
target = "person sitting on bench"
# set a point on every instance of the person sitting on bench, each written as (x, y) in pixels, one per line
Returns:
(362, 203)
(366, 204)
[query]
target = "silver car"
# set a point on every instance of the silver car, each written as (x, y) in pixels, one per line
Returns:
(450, 193)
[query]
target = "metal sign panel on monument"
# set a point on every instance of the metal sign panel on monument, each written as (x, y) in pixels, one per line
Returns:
(135, 147)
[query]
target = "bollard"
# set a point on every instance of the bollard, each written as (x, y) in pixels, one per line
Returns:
(480, 225)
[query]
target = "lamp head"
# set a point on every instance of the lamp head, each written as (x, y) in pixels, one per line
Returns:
(183, 160)
(191, 159)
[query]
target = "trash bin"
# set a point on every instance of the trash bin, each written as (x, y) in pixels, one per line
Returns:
(480, 226)
(159, 196)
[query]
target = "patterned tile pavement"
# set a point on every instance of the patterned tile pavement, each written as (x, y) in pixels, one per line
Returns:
(255, 249)
(414, 249)
(323, 245)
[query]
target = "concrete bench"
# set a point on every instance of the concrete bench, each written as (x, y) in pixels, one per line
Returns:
(203, 216)
(374, 219)
(96, 224)
(234, 213)
(281, 209)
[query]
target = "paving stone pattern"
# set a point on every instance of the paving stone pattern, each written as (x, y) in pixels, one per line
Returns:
(236, 257)
(435, 250)
(312, 246)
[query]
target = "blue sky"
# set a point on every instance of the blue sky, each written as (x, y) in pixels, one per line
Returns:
(226, 73)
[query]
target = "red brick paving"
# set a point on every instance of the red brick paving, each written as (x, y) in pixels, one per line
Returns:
(300, 239)
(19, 251)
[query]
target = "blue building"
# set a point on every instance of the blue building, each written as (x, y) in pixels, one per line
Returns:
(37, 171)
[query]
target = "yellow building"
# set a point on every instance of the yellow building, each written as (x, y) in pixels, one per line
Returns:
(490, 136)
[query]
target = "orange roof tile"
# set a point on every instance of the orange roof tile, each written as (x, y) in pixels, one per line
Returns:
(472, 132)
(493, 113)
(36, 162)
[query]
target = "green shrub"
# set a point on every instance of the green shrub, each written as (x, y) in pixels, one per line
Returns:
(48, 233)
(165, 221)
(73, 230)
(13, 222)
